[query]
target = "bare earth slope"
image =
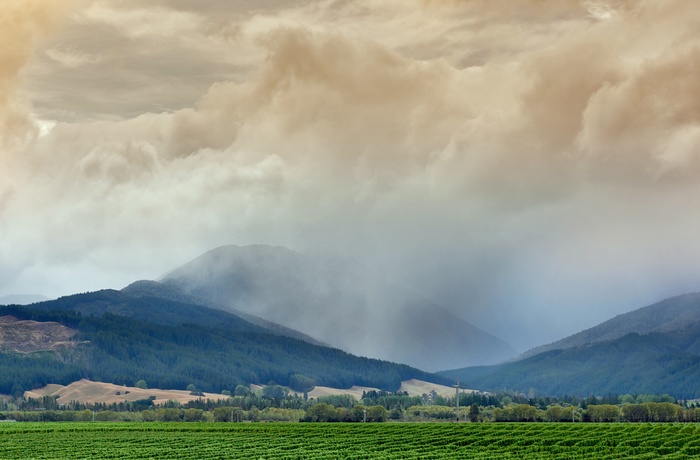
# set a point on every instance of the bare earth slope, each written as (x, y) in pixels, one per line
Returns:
(30, 336)
(88, 392)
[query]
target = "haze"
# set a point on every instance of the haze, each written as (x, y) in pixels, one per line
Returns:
(532, 166)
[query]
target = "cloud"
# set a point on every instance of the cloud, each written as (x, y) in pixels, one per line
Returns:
(523, 165)
(150, 21)
(23, 22)
(71, 58)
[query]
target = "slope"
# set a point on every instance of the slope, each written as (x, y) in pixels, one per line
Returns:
(669, 315)
(654, 363)
(338, 302)
(121, 339)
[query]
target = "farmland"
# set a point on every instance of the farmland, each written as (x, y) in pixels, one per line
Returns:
(347, 441)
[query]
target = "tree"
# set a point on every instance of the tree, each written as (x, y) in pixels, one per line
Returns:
(273, 392)
(557, 413)
(168, 415)
(301, 383)
(603, 413)
(222, 414)
(321, 413)
(474, 413)
(191, 387)
(241, 390)
(525, 413)
(194, 415)
(107, 416)
(142, 384)
(376, 414)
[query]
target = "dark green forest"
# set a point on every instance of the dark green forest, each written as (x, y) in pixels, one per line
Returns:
(653, 363)
(123, 339)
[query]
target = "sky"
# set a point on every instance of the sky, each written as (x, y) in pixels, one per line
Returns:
(532, 166)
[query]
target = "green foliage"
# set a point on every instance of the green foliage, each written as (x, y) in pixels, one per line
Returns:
(390, 441)
(474, 413)
(556, 413)
(194, 415)
(650, 364)
(301, 383)
(652, 412)
(171, 345)
(603, 413)
(516, 413)
(346, 401)
(274, 391)
(241, 390)
(321, 413)
(168, 415)
(142, 384)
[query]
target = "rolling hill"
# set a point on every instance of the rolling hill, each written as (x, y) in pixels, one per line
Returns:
(655, 349)
(338, 302)
(121, 338)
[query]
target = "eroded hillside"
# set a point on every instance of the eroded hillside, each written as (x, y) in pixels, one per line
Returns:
(26, 336)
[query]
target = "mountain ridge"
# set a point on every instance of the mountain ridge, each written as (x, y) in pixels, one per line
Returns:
(122, 338)
(667, 315)
(338, 302)
(663, 357)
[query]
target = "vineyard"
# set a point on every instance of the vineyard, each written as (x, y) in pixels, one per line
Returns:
(347, 441)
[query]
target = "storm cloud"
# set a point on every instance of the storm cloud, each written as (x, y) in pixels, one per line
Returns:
(533, 167)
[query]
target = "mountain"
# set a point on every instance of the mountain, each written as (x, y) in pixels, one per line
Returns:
(120, 337)
(21, 299)
(152, 289)
(338, 302)
(669, 315)
(655, 349)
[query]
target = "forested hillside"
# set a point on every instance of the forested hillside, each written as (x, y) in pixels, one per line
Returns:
(122, 339)
(669, 315)
(654, 363)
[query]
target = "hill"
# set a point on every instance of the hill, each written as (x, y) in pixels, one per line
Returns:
(669, 315)
(121, 338)
(338, 302)
(655, 349)
(88, 392)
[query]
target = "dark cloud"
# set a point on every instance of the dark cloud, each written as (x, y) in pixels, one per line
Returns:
(532, 168)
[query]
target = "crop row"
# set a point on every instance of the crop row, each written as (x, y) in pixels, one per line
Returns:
(348, 441)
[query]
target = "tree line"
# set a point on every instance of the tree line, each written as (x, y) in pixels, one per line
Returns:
(278, 403)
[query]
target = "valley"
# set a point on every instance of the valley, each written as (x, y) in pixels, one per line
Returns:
(199, 326)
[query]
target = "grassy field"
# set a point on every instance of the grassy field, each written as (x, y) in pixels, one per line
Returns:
(347, 441)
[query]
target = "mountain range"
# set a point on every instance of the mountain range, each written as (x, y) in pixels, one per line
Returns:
(338, 302)
(263, 314)
(652, 350)
(125, 336)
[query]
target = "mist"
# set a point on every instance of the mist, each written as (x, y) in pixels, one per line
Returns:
(533, 168)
